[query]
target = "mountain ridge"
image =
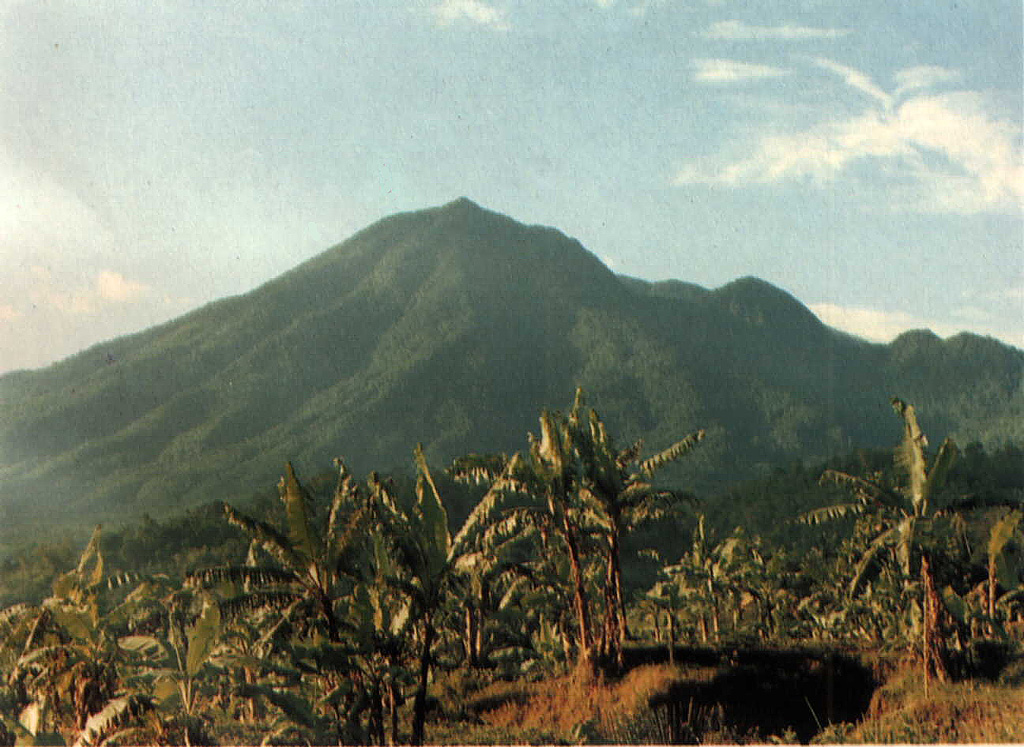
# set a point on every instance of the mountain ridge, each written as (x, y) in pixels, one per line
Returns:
(453, 326)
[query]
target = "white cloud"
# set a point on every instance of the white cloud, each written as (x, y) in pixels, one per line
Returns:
(67, 296)
(923, 76)
(873, 324)
(818, 154)
(883, 326)
(856, 79)
(984, 150)
(940, 153)
(113, 286)
(739, 31)
(732, 71)
(476, 11)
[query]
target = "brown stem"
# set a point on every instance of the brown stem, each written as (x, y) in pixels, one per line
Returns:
(419, 707)
(586, 652)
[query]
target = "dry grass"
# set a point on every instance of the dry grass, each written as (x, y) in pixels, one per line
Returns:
(572, 709)
(958, 713)
(562, 704)
(569, 708)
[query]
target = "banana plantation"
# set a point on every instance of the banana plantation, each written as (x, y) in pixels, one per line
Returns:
(366, 612)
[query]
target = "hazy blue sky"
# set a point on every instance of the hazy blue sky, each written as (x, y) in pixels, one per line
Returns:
(158, 154)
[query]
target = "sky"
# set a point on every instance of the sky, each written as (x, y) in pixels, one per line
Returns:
(866, 156)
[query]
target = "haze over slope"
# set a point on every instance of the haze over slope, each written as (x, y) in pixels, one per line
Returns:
(454, 326)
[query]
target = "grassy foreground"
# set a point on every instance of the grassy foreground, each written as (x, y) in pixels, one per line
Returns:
(470, 709)
(971, 711)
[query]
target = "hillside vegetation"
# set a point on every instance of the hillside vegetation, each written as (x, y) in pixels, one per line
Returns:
(450, 326)
(566, 593)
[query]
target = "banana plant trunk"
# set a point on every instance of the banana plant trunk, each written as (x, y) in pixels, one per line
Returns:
(617, 605)
(716, 621)
(419, 707)
(992, 580)
(671, 639)
(327, 607)
(586, 651)
(393, 698)
(934, 660)
(377, 715)
(471, 637)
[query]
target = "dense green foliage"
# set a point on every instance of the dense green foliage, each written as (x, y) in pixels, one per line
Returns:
(340, 610)
(449, 327)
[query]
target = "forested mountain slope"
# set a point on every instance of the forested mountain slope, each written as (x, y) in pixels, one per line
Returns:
(454, 326)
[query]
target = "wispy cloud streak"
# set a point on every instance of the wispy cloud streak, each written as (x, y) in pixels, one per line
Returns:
(856, 79)
(732, 71)
(476, 11)
(739, 31)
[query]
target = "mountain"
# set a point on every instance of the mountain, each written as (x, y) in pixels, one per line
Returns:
(454, 326)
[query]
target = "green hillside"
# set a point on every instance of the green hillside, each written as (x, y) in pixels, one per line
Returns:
(454, 326)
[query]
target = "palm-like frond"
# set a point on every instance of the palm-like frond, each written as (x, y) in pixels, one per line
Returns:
(14, 611)
(651, 465)
(201, 637)
(831, 513)
(258, 601)
(1002, 532)
(299, 512)
(552, 451)
(944, 461)
(478, 468)
(886, 539)
(515, 522)
(910, 452)
(273, 542)
(113, 717)
(39, 657)
(629, 455)
(433, 518)
(294, 707)
(1010, 597)
(866, 491)
(147, 645)
(91, 556)
(655, 505)
(479, 518)
(125, 578)
(239, 574)
(344, 510)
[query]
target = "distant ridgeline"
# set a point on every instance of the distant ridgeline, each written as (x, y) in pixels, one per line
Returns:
(455, 326)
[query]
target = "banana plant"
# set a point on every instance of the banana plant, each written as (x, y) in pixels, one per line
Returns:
(427, 558)
(666, 597)
(915, 520)
(710, 575)
(536, 495)
(620, 486)
(171, 663)
(1002, 571)
(573, 485)
(308, 564)
(70, 666)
